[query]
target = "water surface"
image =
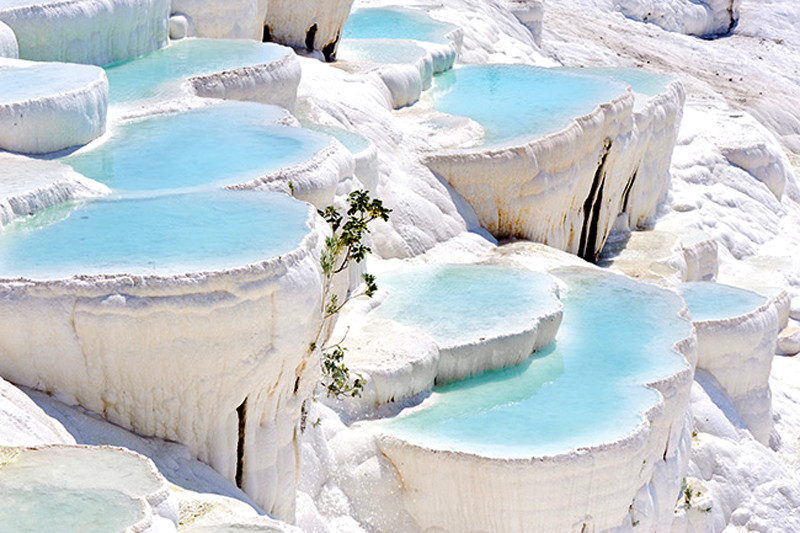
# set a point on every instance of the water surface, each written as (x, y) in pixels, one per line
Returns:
(396, 23)
(715, 301)
(519, 102)
(223, 144)
(161, 73)
(585, 389)
(161, 235)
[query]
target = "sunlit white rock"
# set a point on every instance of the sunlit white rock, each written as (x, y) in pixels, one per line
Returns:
(87, 31)
(45, 107)
(8, 42)
(704, 18)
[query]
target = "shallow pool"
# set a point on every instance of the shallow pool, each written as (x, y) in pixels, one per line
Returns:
(381, 51)
(585, 389)
(457, 304)
(354, 142)
(161, 235)
(67, 510)
(396, 23)
(715, 301)
(223, 144)
(517, 102)
(29, 80)
(161, 73)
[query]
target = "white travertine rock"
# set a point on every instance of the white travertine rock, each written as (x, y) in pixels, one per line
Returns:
(28, 186)
(531, 14)
(178, 27)
(217, 361)
(23, 423)
(87, 31)
(306, 23)
(282, 21)
(789, 340)
(738, 352)
(8, 42)
(38, 120)
(315, 180)
(107, 485)
(539, 188)
(658, 254)
(700, 252)
(705, 18)
(272, 83)
(229, 19)
(211, 513)
(405, 81)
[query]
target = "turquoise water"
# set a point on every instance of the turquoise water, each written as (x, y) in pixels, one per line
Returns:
(354, 142)
(518, 101)
(228, 143)
(37, 80)
(160, 73)
(162, 235)
(714, 301)
(641, 81)
(381, 51)
(462, 303)
(396, 23)
(26, 510)
(585, 389)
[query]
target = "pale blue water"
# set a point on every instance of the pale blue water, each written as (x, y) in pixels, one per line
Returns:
(43, 79)
(514, 102)
(640, 80)
(354, 142)
(396, 23)
(462, 303)
(228, 143)
(715, 301)
(585, 389)
(381, 51)
(66, 510)
(161, 235)
(161, 72)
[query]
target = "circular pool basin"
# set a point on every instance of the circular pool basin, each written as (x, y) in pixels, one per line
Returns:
(588, 388)
(396, 23)
(716, 301)
(459, 304)
(156, 235)
(160, 73)
(520, 102)
(224, 144)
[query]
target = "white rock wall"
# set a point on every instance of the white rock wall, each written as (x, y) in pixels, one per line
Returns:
(540, 189)
(177, 357)
(738, 352)
(289, 22)
(88, 31)
(274, 83)
(704, 18)
(228, 19)
(8, 42)
(54, 122)
(531, 14)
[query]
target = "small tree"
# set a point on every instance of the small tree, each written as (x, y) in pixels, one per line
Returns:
(343, 247)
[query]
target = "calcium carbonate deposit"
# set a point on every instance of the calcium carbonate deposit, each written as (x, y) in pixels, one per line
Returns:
(587, 312)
